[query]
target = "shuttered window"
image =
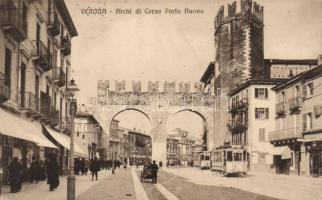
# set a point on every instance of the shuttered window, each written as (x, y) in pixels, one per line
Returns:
(261, 93)
(261, 113)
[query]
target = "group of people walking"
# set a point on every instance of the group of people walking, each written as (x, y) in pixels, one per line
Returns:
(38, 171)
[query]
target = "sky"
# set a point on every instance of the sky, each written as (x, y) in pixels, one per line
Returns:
(176, 47)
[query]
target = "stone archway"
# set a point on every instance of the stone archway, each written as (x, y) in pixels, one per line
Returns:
(157, 106)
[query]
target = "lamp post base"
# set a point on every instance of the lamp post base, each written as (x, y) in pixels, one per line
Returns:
(71, 185)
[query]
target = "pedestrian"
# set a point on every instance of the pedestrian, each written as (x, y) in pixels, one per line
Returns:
(42, 168)
(154, 169)
(95, 167)
(82, 166)
(160, 165)
(86, 166)
(52, 172)
(34, 170)
(15, 175)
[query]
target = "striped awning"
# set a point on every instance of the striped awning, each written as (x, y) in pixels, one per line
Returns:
(15, 126)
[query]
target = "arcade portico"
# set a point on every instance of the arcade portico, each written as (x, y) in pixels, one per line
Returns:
(157, 104)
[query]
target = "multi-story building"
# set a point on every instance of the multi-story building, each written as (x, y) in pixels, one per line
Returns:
(298, 124)
(172, 151)
(185, 145)
(88, 134)
(251, 117)
(114, 141)
(140, 147)
(35, 64)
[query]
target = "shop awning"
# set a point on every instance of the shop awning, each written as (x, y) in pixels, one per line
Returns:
(64, 140)
(17, 127)
(317, 139)
(284, 152)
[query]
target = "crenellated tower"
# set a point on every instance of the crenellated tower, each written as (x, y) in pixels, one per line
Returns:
(239, 38)
(239, 54)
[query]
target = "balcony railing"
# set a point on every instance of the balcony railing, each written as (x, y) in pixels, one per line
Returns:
(5, 92)
(43, 56)
(295, 104)
(65, 45)
(12, 21)
(67, 125)
(237, 126)
(59, 77)
(53, 26)
(29, 102)
(285, 134)
(239, 106)
(280, 108)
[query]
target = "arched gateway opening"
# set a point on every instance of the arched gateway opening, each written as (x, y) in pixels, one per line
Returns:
(186, 134)
(130, 137)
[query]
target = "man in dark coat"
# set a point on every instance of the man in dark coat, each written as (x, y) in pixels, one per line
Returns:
(15, 175)
(34, 170)
(53, 173)
(154, 169)
(95, 167)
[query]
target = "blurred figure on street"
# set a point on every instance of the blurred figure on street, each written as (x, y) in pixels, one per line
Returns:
(154, 168)
(95, 167)
(34, 170)
(160, 165)
(52, 172)
(42, 170)
(86, 166)
(82, 166)
(15, 175)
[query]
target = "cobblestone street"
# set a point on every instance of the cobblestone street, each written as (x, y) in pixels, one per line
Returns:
(272, 185)
(176, 183)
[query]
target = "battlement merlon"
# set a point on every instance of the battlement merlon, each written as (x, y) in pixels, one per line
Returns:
(108, 86)
(227, 13)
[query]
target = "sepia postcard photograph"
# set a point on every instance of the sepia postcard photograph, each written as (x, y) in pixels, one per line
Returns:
(161, 99)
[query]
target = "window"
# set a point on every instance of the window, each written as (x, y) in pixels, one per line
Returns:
(83, 136)
(307, 121)
(261, 113)
(262, 135)
(7, 70)
(297, 91)
(261, 93)
(310, 89)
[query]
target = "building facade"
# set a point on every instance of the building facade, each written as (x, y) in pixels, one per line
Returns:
(140, 149)
(35, 65)
(173, 156)
(298, 124)
(88, 134)
(251, 118)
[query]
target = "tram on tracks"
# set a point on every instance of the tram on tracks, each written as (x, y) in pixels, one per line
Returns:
(229, 160)
(202, 160)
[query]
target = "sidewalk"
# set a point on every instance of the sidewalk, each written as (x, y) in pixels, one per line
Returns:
(278, 186)
(118, 186)
(41, 189)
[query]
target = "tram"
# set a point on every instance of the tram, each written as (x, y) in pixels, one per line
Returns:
(229, 160)
(202, 160)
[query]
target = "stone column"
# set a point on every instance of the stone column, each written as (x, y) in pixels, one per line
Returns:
(159, 136)
(159, 146)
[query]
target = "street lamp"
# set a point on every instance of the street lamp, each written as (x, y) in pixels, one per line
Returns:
(71, 91)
